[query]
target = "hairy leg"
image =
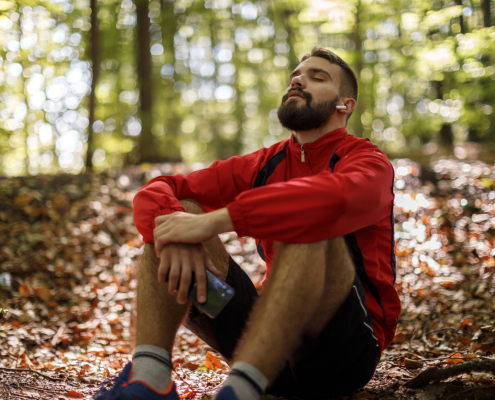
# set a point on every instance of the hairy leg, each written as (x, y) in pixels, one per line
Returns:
(308, 284)
(158, 313)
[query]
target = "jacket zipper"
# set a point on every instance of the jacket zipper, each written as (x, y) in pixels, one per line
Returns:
(303, 159)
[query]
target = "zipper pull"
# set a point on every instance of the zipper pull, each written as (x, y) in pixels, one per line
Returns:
(303, 159)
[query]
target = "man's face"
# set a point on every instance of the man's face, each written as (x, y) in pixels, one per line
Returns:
(312, 95)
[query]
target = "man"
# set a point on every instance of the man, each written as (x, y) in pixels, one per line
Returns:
(320, 205)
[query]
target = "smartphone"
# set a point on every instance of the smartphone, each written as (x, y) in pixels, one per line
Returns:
(218, 294)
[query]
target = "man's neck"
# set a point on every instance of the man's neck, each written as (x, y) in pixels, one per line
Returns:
(303, 137)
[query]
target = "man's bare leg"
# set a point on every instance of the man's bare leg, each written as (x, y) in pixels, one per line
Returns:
(308, 284)
(159, 315)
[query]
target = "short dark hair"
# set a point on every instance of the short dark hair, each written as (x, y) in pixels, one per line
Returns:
(348, 79)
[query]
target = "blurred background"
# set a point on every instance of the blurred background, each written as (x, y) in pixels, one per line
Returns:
(100, 84)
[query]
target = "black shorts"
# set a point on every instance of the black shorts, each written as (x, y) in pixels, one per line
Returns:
(340, 361)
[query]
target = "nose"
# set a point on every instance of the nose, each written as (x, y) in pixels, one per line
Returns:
(297, 81)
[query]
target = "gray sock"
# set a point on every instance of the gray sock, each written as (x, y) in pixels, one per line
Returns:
(247, 381)
(151, 364)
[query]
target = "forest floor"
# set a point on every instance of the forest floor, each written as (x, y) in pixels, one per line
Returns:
(69, 253)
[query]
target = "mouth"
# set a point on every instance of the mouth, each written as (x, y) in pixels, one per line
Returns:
(296, 94)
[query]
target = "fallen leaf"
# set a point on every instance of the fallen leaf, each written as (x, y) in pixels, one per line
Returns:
(412, 364)
(43, 292)
(190, 365)
(74, 394)
(399, 338)
(187, 395)
(212, 362)
(454, 361)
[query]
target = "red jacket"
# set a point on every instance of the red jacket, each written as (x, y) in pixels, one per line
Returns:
(343, 188)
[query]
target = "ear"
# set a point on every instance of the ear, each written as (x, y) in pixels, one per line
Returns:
(349, 103)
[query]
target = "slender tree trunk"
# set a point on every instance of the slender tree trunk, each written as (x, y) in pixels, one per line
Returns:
(487, 14)
(291, 39)
(358, 66)
(147, 149)
(26, 148)
(169, 118)
(95, 63)
(461, 19)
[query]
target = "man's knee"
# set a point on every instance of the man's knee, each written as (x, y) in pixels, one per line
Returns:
(334, 252)
(192, 207)
(300, 248)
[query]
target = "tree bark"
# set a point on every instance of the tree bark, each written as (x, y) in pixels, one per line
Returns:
(95, 65)
(461, 19)
(358, 67)
(487, 14)
(146, 149)
(291, 39)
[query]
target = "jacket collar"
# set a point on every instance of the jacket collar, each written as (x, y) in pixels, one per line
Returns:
(328, 142)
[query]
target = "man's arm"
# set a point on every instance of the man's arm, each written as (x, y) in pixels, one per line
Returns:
(190, 228)
(321, 206)
(213, 188)
(181, 255)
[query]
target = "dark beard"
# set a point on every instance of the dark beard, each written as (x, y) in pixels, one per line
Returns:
(305, 117)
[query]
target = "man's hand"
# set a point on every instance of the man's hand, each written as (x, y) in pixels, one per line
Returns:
(178, 238)
(180, 227)
(177, 262)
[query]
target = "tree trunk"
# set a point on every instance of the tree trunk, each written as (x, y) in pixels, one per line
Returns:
(291, 38)
(358, 66)
(487, 14)
(461, 19)
(146, 148)
(95, 64)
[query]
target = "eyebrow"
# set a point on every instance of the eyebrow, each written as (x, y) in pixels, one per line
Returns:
(314, 70)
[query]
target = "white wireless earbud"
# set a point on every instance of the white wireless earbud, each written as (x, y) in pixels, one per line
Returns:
(341, 107)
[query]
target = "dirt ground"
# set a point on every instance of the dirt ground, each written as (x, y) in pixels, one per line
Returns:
(68, 257)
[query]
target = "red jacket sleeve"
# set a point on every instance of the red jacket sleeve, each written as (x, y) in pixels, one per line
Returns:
(212, 187)
(318, 207)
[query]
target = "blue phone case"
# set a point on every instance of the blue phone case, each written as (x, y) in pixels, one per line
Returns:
(218, 295)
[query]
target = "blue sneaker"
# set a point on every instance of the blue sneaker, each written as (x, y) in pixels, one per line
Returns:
(226, 393)
(135, 390)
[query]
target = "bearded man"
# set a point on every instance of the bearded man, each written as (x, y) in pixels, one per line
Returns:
(320, 206)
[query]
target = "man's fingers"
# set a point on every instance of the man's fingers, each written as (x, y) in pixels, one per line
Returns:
(174, 274)
(160, 220)
(200, 274)
(209, 265)
(185, 279)
(161, 239)
(163, 269)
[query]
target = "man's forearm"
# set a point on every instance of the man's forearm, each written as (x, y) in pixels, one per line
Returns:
(220, 221)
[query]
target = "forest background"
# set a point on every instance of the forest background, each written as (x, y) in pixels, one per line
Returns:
(131, 89)
(106, 83)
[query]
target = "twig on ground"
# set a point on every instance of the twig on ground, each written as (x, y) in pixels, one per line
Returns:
(448, 328)
(469, 390)
(412, 338)
(457, 358)
(435, 373)
(43, 389)
(30, 370)
(23, 396)
(58, 334)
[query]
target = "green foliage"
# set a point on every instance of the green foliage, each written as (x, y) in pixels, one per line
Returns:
(219, 69)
